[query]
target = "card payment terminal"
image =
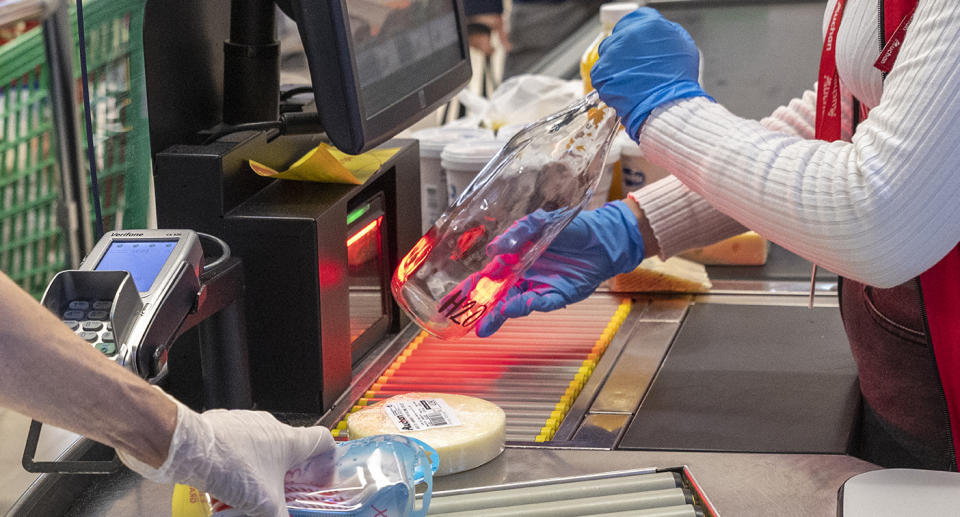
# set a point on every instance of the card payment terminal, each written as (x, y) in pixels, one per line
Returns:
(131, 294)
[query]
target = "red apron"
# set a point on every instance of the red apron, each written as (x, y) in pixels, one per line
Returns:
(939, 286)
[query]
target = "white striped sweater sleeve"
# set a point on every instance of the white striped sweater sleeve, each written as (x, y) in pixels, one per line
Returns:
(682, 219)
(880, 209)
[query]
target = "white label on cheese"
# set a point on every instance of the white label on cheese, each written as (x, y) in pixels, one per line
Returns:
(421, 414)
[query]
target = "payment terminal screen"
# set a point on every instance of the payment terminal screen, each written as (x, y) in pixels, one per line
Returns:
(142, 259)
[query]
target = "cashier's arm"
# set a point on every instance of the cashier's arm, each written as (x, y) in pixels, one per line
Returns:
(48, 373)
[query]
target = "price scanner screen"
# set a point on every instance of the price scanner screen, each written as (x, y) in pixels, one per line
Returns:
(142, 259)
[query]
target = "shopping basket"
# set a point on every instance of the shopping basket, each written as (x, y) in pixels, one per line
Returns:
(32, 219)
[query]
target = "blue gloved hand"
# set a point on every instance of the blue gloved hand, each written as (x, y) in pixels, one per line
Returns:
(646, 62)
(595, 246)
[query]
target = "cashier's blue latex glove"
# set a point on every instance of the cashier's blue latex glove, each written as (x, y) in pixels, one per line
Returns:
(595, 246)
(647, 61)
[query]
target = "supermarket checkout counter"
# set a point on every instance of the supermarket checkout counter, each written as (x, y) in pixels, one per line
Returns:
(752, 391)
(755, 394)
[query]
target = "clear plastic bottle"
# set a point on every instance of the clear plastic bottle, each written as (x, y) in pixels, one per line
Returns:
(504, 219)
(610, 14)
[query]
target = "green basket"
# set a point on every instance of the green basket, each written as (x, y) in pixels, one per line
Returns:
(32, 234)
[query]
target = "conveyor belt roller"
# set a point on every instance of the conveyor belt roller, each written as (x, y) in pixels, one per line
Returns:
(533, 368)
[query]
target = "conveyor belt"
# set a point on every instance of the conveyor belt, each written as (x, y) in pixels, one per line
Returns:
(533, 368)
(651, 494)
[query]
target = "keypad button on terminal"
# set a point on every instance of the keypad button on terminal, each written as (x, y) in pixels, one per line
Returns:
(73, 324)
(107, 336)
(79, 305)
(92, 326)
(97, 315)
(107, 349)
(73, 315)
(89, 336)
(102, 305)
(109, 326)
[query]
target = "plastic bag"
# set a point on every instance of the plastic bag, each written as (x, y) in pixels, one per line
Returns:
(367, 477)
(522, 99)
(371, 476)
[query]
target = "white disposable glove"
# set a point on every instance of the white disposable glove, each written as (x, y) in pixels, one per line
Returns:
(240, 457)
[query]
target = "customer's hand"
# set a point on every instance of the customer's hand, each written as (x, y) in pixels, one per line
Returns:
(647, 61)
(595, 246)
(239, 457)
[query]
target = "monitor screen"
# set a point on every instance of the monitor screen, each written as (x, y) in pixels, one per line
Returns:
(378, 66)
(400, 46)
(142, 259)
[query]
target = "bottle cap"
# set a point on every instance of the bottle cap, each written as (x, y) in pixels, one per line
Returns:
(611, 13)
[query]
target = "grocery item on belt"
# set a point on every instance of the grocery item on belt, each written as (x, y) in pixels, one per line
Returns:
(377, 475)
(746, 249)
(675, 275)
(370, 476)
(466, 431)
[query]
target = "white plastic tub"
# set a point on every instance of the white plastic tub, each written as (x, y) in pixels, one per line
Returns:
(433, 183)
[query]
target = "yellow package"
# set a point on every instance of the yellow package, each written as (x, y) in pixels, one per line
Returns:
(190, 502)
(746, 249)
(327, 164)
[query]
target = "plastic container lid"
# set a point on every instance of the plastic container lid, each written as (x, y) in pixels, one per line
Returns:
(434, 139)
(469, 156)
(611, 13)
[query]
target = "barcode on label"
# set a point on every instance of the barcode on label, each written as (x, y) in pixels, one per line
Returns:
(421, 414)
(437, 420)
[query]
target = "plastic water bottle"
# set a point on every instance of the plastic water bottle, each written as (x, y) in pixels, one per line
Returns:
(477, 249)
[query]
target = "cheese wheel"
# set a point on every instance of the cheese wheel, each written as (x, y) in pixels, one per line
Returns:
(675, 275)
(477, 437)
(746, 249)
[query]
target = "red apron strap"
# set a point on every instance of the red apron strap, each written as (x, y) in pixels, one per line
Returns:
(828, 82)
(894, 12)
(897, 20)
(941, 297)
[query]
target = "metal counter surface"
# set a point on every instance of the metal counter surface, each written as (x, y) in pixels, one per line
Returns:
(742, 485)
(738, 485)
(752, 378)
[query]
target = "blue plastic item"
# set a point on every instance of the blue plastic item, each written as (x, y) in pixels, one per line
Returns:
(367, 477)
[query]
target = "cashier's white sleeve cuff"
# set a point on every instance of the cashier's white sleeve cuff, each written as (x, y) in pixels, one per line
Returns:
(240, 457)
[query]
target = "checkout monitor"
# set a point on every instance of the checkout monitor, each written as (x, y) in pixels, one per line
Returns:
(378, 66)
